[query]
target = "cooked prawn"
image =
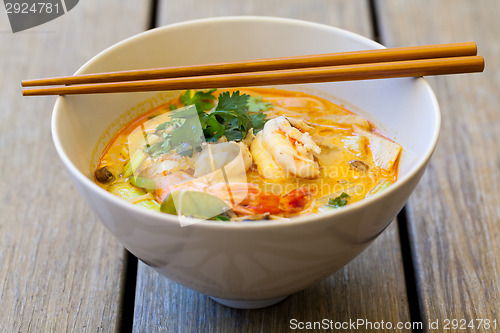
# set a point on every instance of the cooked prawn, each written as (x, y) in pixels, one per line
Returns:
(281, 149)
(264, 161)
(176, 181)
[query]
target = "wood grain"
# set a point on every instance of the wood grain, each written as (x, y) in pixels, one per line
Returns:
(352, 15)
(60, 270)
(455, 212)
(371, 287)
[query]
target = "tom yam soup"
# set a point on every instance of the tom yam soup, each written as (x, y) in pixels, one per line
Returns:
(247, 154)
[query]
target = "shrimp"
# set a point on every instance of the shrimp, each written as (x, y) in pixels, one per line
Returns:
(176, 181)
(281, 149)
(248, 199)
(177, 172)
(264, 161)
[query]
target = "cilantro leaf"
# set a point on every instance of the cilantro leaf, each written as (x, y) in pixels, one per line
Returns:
(255, 109)
(339, 201)
(258, 121)
(181, 132)
(234, 135)
(255, 104)
(188, 127)
(203, 100)
(213, 129)
(234, 101)
(232, 113)
(235, 119)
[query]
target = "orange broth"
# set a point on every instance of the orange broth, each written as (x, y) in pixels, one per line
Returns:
(348, 160)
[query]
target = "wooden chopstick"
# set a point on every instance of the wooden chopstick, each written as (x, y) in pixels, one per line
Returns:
(319, 60)
(363, 71)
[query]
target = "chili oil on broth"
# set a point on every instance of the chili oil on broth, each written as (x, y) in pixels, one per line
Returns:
(346, 161)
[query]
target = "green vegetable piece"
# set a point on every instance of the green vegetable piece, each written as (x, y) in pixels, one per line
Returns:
(143, 182)
(339, 201)
(127, 170)
(193, 203)
(149, 204)
(168, 205)
(134, 163)
(127, 191)
(222, 218)
(379, 187)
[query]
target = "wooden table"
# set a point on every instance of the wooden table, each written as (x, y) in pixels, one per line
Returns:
(61, 271)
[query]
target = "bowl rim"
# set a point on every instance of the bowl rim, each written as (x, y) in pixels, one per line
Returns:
(299, 220)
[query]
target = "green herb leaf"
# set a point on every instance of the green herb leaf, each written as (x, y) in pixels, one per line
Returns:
(339, 201)
(255, 104)
(234, 120)
(232, 113)
(213, 129)
(203, 100)
(186, 129)
(223, 218)
(258, 121)
(234, 101)
(182, 133)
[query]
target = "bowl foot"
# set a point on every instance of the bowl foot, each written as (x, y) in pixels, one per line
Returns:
(248, 304)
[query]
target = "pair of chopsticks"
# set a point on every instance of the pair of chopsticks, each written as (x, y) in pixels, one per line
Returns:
(413, 61)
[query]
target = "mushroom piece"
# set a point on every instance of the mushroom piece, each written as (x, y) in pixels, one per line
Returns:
(103, 175)
(359, 165)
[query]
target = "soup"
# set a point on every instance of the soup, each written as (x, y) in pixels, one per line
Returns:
(247, 154)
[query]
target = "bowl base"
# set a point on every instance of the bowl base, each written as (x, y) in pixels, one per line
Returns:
(249, 304)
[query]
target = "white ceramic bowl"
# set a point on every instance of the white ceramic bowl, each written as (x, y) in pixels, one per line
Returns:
(251, 264)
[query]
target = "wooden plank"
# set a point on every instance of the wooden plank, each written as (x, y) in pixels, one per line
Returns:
(60, 270)
(353, 16)
(371, 287)
(455, 212)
